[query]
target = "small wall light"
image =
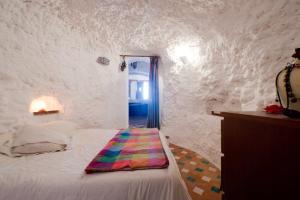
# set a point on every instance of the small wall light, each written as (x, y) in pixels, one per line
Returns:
(45, 105)
(103, 60)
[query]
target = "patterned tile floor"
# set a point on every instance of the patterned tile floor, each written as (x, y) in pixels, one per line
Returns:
(201, 177)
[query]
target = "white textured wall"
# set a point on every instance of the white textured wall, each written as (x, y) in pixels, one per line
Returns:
(247, 43)
(51, 47)
(43, 55)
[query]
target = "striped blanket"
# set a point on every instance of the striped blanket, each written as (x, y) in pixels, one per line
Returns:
(130, 149)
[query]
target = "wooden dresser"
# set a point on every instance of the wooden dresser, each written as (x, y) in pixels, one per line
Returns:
(261, 156)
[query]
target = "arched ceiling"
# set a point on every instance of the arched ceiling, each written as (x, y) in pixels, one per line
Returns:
(153, 26)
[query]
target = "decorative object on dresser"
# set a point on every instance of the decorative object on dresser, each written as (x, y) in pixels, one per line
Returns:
(260, 156)
(288, 87)
(274, 109)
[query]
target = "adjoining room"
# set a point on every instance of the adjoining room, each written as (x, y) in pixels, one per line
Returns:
(138, 90)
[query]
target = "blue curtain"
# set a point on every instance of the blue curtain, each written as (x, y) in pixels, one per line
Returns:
(153, 106)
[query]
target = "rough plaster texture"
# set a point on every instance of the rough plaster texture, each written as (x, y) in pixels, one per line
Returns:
(43, 55)
(50, 48)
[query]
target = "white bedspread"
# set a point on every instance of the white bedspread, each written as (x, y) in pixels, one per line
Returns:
(60, 176)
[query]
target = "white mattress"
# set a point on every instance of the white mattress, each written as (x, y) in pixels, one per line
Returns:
(60, 176)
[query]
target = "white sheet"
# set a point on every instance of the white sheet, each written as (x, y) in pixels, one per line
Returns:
(60, 175)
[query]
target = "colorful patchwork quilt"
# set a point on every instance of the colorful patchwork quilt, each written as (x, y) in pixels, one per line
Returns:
(131, 149)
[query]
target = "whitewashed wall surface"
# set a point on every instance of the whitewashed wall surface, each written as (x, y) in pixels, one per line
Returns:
(215, 55)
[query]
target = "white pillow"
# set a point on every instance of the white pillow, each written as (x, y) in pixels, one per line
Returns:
(5, 143)
(34, 139)
(61, 126)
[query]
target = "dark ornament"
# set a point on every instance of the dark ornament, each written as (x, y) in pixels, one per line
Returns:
(103, 60)
(123, 65)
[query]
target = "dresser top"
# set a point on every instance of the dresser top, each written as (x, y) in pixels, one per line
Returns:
(261, 116)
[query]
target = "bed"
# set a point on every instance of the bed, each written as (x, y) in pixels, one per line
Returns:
(61, 176)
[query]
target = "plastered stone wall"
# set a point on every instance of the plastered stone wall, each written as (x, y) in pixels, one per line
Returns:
(51, 47)
(43, 55)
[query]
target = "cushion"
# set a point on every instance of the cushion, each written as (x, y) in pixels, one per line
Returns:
(34, 139)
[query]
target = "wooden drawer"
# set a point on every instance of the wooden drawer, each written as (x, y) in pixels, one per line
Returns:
(260, 153)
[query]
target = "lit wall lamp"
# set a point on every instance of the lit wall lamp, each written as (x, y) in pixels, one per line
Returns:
(185, 53)
(45, 105)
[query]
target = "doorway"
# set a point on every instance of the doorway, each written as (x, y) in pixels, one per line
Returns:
(138, 90)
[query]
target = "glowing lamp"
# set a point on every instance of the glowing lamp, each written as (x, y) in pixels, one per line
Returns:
(45, 105)
(184, 53)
